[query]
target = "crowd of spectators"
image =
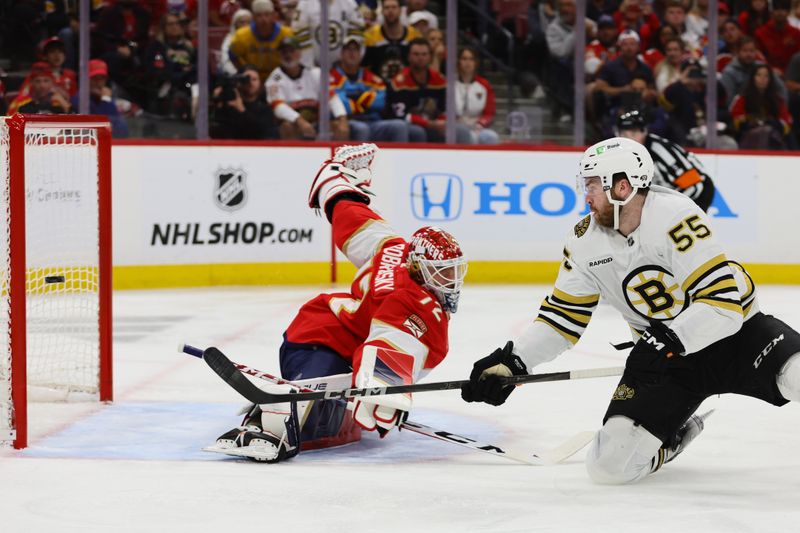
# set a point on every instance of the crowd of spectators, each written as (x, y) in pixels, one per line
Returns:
(387, 81)
(652, 55)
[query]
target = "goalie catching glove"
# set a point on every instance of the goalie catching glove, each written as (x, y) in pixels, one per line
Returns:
(347, 175)
(485, 384)
(381, 367)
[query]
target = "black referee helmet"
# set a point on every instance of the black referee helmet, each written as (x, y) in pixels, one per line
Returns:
(631, 120)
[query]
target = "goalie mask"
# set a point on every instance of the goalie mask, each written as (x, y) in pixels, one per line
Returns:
(436, 262)
(617, 157)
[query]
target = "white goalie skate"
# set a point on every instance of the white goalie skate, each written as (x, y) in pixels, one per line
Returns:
(267, 437)
(253, 443)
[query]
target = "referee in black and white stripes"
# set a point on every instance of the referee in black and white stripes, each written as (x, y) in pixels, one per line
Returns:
(675, 167)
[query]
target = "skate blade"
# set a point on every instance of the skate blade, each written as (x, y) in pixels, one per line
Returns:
(248, 452)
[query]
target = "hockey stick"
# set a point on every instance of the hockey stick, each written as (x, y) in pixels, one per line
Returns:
(230, 373)
(549, 457)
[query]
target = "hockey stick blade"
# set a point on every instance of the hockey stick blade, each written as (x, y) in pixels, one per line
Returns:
(228, 371)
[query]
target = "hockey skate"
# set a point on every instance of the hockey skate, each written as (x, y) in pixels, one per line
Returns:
(252, 441)
(683, 437)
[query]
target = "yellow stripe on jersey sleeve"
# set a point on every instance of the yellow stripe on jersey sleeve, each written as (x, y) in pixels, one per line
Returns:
(585, 301)
(703, 270)
(721, 285)
(570, 335)
(576, 317)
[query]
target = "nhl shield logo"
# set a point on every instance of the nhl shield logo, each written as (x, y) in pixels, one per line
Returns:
(230, 192)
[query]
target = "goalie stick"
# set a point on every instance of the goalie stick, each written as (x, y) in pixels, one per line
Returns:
(230, 373)
(550, 457)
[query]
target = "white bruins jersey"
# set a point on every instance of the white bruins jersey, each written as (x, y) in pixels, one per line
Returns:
(344, 20)
(669, 269)
(290, 97)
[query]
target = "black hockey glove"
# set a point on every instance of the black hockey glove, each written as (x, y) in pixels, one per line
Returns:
(485, 384)
(651, 355)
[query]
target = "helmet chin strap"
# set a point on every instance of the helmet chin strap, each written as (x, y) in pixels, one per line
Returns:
(618, 203)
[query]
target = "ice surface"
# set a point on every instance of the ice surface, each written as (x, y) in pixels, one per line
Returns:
(136, 465)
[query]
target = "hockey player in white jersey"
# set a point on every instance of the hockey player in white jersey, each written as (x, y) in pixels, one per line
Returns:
(293, 91)
(344, 20)
(651, 253)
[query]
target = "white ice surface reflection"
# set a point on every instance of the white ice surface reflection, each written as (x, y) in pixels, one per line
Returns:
(136, 465)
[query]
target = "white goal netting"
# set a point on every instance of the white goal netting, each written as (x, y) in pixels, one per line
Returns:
(62, 264)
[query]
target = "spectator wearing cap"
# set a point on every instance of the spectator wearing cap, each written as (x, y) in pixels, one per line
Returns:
(423, 21)
(777, 38)
(293, 92)
(603, 48)
(171, 66)
(65, 80)
(387, 43)
(363, 95)
(613, 87)
(240, 19)
(421, 6)
(560, 37)
(346, 21)
(257, 44)
(43, 96)
(101, 101)
(632, 16)
(475, 105)
(241, 110)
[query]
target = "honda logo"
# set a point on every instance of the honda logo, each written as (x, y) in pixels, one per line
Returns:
(436, 197)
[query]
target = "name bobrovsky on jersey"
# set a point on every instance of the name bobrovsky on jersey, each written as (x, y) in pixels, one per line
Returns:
(390, 258)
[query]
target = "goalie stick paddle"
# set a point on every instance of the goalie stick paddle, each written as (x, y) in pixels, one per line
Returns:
(230, 373)
(537, 458)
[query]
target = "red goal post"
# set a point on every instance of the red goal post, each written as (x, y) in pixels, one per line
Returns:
(55, 245)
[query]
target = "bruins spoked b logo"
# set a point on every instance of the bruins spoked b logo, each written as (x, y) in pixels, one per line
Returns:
(230, 192)
(652, 292)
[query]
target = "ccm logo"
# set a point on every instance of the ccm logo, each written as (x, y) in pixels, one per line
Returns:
(649, 339)
(766, 350)
(352, 393)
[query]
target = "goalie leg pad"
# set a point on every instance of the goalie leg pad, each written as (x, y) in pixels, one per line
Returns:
(325, 423)
(621, 452)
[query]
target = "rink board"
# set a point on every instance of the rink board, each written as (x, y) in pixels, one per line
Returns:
(204, 214)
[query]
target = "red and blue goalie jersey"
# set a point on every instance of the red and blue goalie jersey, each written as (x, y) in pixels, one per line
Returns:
(385, 307)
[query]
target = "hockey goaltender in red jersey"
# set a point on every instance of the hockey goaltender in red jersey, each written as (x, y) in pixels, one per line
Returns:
(390, 329)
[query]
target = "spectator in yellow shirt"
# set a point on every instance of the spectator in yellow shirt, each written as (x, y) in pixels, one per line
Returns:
(257, 44)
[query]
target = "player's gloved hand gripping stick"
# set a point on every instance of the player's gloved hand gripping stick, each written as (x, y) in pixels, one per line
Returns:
(231, 373)
(553, 456)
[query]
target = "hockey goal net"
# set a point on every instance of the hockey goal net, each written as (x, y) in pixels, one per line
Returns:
(55, 264)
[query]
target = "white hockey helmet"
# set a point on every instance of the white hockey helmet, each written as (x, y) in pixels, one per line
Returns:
(617, 157)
